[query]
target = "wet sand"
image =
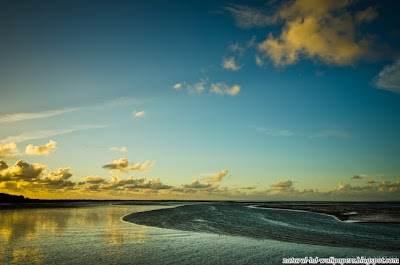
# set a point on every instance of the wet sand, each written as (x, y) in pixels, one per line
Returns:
(374, 212)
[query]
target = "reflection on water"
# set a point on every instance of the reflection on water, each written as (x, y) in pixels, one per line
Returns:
(98, 235)
(30, 255)
(25, 224)
(27, 234)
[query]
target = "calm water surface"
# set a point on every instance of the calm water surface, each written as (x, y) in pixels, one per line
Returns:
(98, 235)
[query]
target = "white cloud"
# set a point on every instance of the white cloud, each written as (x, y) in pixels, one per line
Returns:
(41, 150)
(33, 115)
(221, 88)
(139, 113)
(177, 86)
(8, 151)
(146, 164)
(94, 179)
(389, 78)
(282, 186)
(122, 149)
(24, 177)
(233, 90)
(22, 171)
(129, 184)
(46, 133)
(122, 165)
(230, 64)
(195, 184)
(218, 177)
(61, 174)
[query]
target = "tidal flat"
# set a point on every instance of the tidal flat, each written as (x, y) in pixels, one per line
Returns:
(134, 233)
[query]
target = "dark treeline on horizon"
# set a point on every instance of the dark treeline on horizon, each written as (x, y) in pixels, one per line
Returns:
(9, 198)
(4, 197)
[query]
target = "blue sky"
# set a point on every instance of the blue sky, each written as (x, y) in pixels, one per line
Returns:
(208, 99)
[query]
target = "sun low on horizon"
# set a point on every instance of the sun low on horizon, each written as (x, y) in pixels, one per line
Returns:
(200, 100)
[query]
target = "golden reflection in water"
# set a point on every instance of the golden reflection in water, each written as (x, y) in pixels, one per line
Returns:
(28, 236)
(27, 256)
(141, 235)
(18, 224)
(25, 224)
(88, 218)
(116, 235)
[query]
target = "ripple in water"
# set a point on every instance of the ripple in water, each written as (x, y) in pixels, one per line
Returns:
(283, 225)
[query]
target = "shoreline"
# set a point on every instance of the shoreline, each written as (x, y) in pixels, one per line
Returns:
(360, 212)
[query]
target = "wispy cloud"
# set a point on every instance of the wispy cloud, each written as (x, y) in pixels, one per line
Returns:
(331, 133)
(40, 134)
(371, 175)
(196, 88)
(259, 60)
(139, 113)
(22, 116)
(389, 78)
(121, 101)
(230, 64)
(249, 17)
(236, 47)
(33, 115)
(204, 85)
(274, 132)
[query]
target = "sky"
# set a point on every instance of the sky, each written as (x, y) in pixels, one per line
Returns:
(210, 100)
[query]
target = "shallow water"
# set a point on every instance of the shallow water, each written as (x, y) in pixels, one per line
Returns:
(283, 225)
(98, 235)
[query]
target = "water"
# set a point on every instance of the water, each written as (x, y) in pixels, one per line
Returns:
(196, 234)
(283, 225)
